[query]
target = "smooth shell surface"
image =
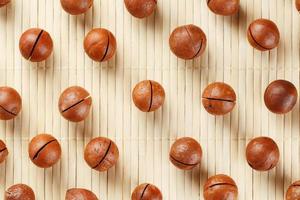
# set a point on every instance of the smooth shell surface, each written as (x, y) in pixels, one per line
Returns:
(140, 8)
(76, 7)
(146, 191)
(19, 192)
(224, 7)
(80, 194)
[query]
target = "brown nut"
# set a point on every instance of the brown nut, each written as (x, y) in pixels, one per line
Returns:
(224, 7)
(146, 191)
(148, 95)
(80, 194)
(3, 151)
(10, 103)
(187, 42)
(36, 45)
(140, 8)
(218, 98)
(100, 44)
(75, 103)
(220, 187)
(4, 2)
(44, 150)
(185, 153)
(298, 5)
(76, 7)
(262, 153)
(293, 192)
(101, 154)
(280, 96)
(19, 192)
(263, 34)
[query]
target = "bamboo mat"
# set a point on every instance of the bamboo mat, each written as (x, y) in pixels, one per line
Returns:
(144, 139)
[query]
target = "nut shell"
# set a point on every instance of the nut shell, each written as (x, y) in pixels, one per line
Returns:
(101, 154)
(224, 7)
(262, 153)
(140, 8)
(263, 34)
(3, 151)
(280, 96)
(298, 5)
(36, 45)
(148, 95)
(218, 98)
(75, 103)
(220, 187)
(185, 153)
(19, 192)
(76, 7)
(80, 194)
(44, 150)
(187, 42)
(100, 44)
(293, 192)
(4, 2)
(146, 191)
(10, 103)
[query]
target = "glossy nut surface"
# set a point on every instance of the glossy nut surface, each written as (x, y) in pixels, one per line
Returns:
(76, 7)
(44, 150)
(100, 44)
(140, 8)
(220, 187)
(187, 42)
(262, 153)
(293, 192)
(10, 103)
(80, 194)
(146, 191)
(148, 95)
(75, 103)
(4, 2)
(218, 98)
(185, 153)
(280, 96)
(224, 7)
(298, 5)
(36, 45)
(3, 151)
(263, 34)
(101, 154)
(19, 192)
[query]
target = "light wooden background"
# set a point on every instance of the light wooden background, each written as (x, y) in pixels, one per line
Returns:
(144, 139)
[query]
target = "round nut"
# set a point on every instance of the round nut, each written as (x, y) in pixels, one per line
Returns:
(44, 150)
(140, 8)
(263, 34)
(187, 42)
(75, 103)
(80, 194)
(10, 103)
(36, 45)
(185, 153)
(298, 5)
(224, 7)
(3, 151)
(148, 95)
(19, 192)
(262, 153)
(101, 154)
(76, 7)
(4, 2)
(280, 96)
(100, 44)
(293, 192)
(218, 98)
(220, 187)
(146, 191)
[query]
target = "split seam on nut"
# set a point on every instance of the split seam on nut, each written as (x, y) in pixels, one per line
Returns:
(89, 96)
(216, 99)
(104, 155)
(106, 50)
(218, 184)
(190, 36)
(144, 191)
(151, 96)
(250, 31)
(8, 111)
(3, 150)
(183, 162)
(37, 153)
(35, 43)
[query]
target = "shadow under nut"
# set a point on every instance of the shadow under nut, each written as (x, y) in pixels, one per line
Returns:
(100, 44)
(146, 191)
(3, 151)
(19, 192)
(44, 150)
(101, 154)
(224, 7)
(4, 2)
(293, 191)
(76, 7)
(80, 194)
(35, 45)
(10, 103)
(187, 42)
(140, 8)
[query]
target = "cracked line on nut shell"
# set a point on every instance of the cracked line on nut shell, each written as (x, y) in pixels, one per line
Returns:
(106, 50)
(183, 162)
(250, 31)
(76, 103)
(193, 42)
(35, 43)
(3, 150)
(103, 156)
(216, 99)
(8, 111)
(37, 153)
(151, 96)
(144, 191)
(218, 184)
